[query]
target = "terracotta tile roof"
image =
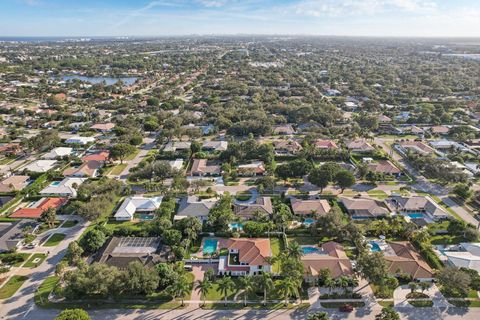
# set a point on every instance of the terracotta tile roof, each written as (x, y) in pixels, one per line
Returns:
(87, 169)
(408, 260)
(13, 183)
(262, 204)
(302, 207)
(333, 258)
(101, 156)
(253, 251)
(365, 207)
(36, 212)
(204, 166)
(325, 144)
(384, 166)
(103, 126)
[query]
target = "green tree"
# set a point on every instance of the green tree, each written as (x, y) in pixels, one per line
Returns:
(204, 286)
(221, 214)
(319, 315)
(138, 279)
(121, 151)
(49, 216)
(180, 288)
(73, 314)
(225, 285)
(344, 179)
(463, 191)
(288, 287)
(388, 313)
(74, 252)
(294, 250)
(320, 178)
(265, 282)
(247, 285)
(373, 267)
(454, 280)
(93, 240)
(413, 286)
(424, 286)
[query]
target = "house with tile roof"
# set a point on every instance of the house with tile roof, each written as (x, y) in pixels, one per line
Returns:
(65, 188)
(41, 165)
(35, 210)
(205, 168)
(313, 207)
(287, 147)
(14, 183)
(365, 208)
(101, 156)
(325, 144)
(419, 205)
(359, 146)
(331, 256)
(215, 146)
(192, 206)
(103, 127)
(402, 258)
(256, 168)
(247, 210)
(86, 169)
(57, 153)
(246, 256)
(385, 167)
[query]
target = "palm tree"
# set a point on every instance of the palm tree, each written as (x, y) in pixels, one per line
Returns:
(265, 283)
(294, 250)
(204, 286)
(180, 288)
(343, 282)
(413, 286)
(288, 287)
(330, 284)
(424, 286)
(247, 285)
(225, 284)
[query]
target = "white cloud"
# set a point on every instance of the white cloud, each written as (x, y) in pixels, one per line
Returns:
(213, 3)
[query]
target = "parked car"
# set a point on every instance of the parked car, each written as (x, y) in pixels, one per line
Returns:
(346, 308)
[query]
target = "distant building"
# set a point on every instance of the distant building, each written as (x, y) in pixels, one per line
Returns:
(247, 210)
(192, 206)
(57, 153)
(365, 208)
(359, 146)
(204, 167)
(41, 165)
(80, 140)
(137, 205)
(215, 146)
(253, 169)
(310, 207)
(14, 183)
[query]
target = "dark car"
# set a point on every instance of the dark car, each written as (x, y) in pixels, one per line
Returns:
(346, 308)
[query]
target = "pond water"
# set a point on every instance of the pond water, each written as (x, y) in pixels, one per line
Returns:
(94, 80)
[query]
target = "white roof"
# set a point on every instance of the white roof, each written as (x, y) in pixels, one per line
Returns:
(64, 187)
(176, 164)
(41, 165)
(58, 152)
(80, 140)
(137, 204)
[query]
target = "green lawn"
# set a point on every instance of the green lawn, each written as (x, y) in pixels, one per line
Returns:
(386, 304)
(31, 264)
(446, 239)
(54, 240)
(132, 155)
(69, 223)
(379, 194)
(12, 285)
(118, 169)
(257, 306)
(336, 305)
(15, 259)
(47, 286)
(306, 240)
(277, 246)
(421, 303)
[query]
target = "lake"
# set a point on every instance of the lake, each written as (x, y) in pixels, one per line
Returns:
(94, 80)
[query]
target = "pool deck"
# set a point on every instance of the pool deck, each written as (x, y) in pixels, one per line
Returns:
(221, 243)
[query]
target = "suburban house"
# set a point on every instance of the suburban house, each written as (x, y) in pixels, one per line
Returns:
(402, 256)
(245, 257)
(120, 251)
(325, 144)
(137, 205)
(253, 169)
(284, 129)
(14, 183)
(174, 146)
(35, 210)
(246, 210)
(41, 166)
(11, 233)
(465, 255)
(80, 140)
(192, 206)
(86, 169)
(102, 156)
(309, 207)
(440, 130)
(57, 153)
(204, 167)
(332, 257)
(385, 167)
(416, 147)
(417, 206)
(286, 147)
(65, 188)
(176, 164)
(359, 146)
(365, 208)
(103, 127)
(215, 146)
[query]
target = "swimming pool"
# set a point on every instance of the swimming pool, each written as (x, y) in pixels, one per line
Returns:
(236, 226)
(145, 217)
(375, 247)
(307, 222)
(55, 183)
(416, 215)
(310, 250)
(210, 246)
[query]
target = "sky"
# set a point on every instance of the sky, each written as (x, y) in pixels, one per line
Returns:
(421, 18)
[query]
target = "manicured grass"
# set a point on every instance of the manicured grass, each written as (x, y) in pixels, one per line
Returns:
(465, 303)
(31, 264)
(47, 286)
(118, 169)
(336, 305)
(256, 306)
(243, 195)
(447, 239)
(386, 304)
(379, 194)
(305, 240)
(54, 240)
(132, 156)
(69, 223)
(12, 285)
(115, 225)
(421, 303)
(276, 246)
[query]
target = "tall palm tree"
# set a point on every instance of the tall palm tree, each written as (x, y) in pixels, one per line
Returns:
(294, 250)
(330, 284)
(266, 283)
(225, 284)
(180, 289)
(288, 287)
(343, 283)
(204, 286)
(247, 285)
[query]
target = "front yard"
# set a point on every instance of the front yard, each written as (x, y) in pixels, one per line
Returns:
(12, 285)
(54, 240)
(35, 260)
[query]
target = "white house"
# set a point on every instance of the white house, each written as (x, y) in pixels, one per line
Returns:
(467, 256)
(80, 140)
(132, 205)
(41, 165)
(58, 152)
(65, 188)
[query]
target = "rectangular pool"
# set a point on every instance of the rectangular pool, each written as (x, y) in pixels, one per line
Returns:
(416, 215)
(210, 246)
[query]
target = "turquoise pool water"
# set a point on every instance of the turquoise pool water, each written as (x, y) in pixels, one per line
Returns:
(55, 183)
(375, 247)
(210, 245)
(308, 221)
(309, 250)
(145, 217)
(416, 215)
(236, 225)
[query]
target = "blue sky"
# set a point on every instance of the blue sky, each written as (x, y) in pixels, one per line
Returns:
(177, 17)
